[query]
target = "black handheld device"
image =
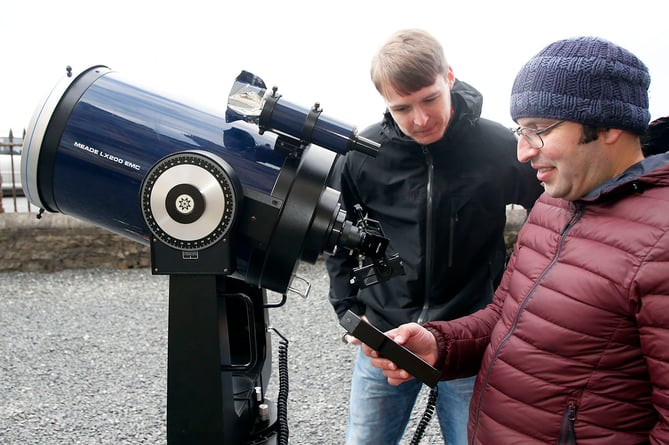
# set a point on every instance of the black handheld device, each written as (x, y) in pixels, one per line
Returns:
(389, 349)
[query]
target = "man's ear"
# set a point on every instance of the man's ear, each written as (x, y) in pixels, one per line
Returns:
(450, 77)
(611, 135)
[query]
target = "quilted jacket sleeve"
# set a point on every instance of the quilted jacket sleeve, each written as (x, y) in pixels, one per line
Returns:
(650, 300)
(463, 341)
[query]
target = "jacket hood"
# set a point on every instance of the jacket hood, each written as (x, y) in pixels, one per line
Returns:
(467, 103)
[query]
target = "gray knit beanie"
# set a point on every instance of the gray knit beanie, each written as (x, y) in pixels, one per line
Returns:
(587, 80)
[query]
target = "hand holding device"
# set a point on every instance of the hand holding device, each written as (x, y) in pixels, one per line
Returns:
(388, 348)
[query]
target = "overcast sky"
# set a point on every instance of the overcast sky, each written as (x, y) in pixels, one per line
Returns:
(312, 50)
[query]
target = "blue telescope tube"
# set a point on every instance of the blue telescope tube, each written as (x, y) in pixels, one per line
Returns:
(95, 136)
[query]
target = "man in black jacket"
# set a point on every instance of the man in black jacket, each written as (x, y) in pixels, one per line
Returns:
(439, 188)
(656, 138)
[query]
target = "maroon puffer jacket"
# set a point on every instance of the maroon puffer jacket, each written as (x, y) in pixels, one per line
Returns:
(575, 346)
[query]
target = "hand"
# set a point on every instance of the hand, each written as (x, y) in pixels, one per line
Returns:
(413, 337)
(351, 340)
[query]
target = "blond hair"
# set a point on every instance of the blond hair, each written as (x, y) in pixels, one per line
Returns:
(410, 60)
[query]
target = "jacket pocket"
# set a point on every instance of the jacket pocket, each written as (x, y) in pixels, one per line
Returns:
(567, 434)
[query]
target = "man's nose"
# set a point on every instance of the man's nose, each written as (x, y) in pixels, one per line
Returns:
(524, 150)
(419, 116)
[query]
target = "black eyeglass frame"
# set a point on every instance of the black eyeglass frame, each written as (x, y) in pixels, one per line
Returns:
(526, 132)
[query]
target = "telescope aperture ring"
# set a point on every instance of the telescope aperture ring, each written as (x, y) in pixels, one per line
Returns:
(188, 201)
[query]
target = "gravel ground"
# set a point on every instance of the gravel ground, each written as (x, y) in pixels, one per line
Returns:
(83, 357)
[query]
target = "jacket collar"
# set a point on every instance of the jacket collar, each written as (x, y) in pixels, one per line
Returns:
(653, 171)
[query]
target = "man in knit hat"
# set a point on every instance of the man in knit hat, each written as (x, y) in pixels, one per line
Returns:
(573, 348)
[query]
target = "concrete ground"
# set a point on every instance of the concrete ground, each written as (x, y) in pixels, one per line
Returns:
(83, 360)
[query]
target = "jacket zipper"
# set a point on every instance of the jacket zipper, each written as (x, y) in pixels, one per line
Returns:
(428, 236)
(567, 434)
(575, 217)
(451, 235)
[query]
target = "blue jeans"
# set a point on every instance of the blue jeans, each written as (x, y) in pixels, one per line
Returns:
(379, 412)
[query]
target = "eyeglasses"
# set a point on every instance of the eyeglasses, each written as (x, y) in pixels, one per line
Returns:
(533, 136)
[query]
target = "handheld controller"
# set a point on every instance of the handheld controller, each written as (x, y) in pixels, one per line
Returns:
(389, 349)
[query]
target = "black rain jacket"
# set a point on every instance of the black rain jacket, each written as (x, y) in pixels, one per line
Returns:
(443, 208)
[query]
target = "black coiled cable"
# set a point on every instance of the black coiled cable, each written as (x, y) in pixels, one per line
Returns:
(427, 415)
(282, 398)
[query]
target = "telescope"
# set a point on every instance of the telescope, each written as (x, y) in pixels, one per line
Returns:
(229, 204)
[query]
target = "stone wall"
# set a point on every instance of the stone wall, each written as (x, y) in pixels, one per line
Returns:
(58, 242)
(515, 218)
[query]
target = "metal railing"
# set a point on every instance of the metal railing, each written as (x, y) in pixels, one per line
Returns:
(12, 197)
